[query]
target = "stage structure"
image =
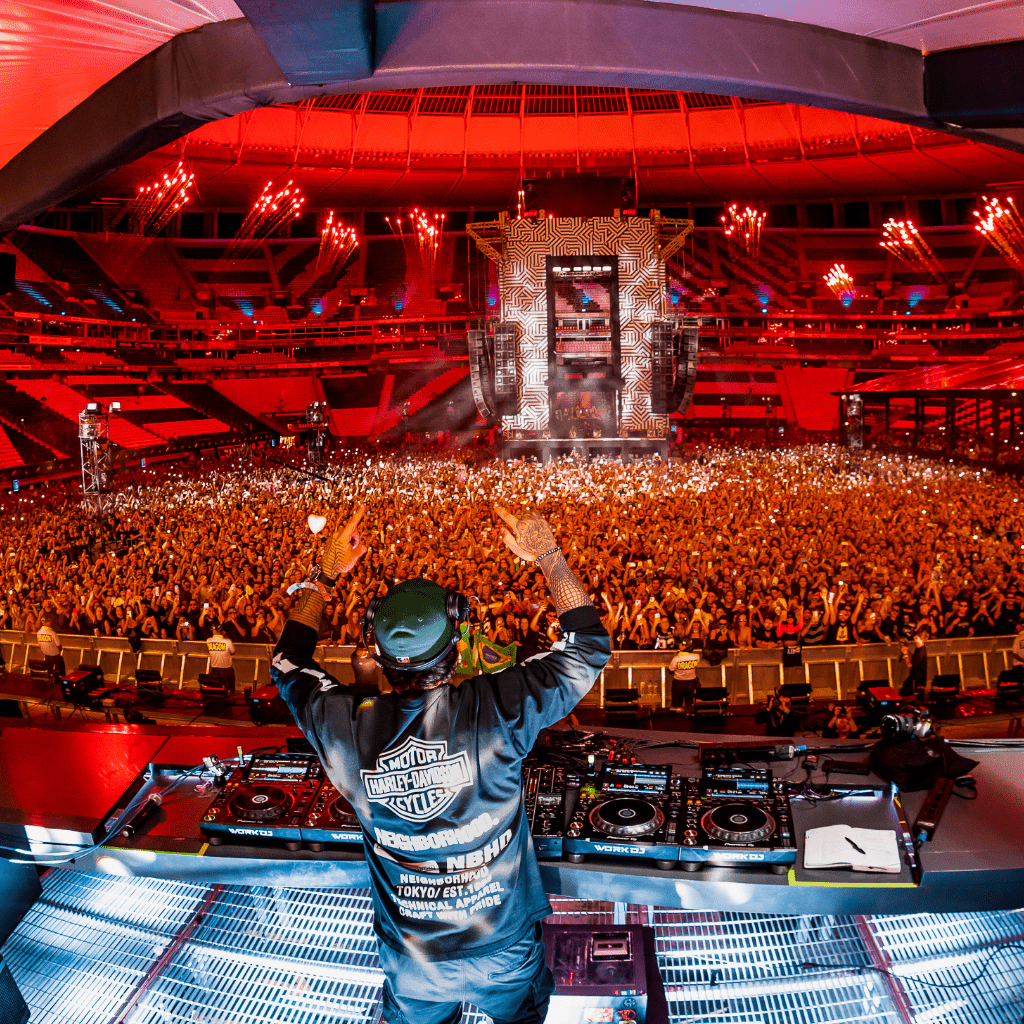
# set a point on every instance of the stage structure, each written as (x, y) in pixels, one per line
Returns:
(97, 456)
(974, 409)
(584, 301)
(316, 447)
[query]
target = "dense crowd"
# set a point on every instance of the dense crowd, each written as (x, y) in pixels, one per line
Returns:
(728, 548)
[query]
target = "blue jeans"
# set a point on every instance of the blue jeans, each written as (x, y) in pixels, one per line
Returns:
(513, 984)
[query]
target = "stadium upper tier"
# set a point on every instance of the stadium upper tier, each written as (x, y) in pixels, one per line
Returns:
(277, 282)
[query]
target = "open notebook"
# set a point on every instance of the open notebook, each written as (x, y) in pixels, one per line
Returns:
(862, 849)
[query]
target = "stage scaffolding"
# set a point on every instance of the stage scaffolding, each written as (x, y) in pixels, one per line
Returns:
(97, 456)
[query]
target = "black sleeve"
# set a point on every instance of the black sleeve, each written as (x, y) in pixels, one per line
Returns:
(582, 620)
(321, 705)
(520, 701)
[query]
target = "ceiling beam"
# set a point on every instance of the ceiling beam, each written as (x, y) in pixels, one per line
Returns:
(222, 69)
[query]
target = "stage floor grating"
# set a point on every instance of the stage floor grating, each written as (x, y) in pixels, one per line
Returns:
(97, 949)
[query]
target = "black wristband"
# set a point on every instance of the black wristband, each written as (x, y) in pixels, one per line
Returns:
(550, 551)
(317, 574)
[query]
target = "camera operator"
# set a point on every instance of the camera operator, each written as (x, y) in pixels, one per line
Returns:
(778, 716)
(841, 725)
(915, 657)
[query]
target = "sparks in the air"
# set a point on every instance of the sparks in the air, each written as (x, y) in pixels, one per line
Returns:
(420, 233)
(1001, 224)
(158, 201)
(841, 284)
(337, 242)
(743, 227)
(271, 210)
(904, 241)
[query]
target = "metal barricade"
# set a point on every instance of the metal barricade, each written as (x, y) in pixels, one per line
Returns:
(834, 673)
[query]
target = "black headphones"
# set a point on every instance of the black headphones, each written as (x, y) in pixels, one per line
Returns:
(456, 607)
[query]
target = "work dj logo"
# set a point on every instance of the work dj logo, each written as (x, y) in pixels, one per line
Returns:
(417, 780)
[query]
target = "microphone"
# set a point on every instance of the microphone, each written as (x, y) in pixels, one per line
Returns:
(131, 826)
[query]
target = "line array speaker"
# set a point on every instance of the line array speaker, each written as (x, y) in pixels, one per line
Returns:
(686, 366)
(506, 376)
(662, 368)
(481, 376)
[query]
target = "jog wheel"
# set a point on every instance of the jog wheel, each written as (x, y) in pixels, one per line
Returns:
(260, 803)
(738, 824)
(626, 817)
(340, 810)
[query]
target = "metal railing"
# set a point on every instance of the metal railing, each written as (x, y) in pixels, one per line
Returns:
(833, 673)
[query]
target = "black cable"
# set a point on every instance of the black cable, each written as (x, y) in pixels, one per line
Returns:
(70, 858)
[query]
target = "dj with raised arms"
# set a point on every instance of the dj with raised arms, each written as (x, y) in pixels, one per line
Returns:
(433, 772)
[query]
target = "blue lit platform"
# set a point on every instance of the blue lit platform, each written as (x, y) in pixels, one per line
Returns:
(98, 950)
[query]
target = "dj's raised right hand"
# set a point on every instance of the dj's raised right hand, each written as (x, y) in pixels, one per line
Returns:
(345, 547)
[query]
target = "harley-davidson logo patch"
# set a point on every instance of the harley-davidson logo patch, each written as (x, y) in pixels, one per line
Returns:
(417, 779)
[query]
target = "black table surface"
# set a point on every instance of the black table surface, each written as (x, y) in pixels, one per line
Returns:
(976, 860)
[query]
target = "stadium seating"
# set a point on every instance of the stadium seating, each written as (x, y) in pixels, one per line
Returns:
(9, 455)
(36, 420)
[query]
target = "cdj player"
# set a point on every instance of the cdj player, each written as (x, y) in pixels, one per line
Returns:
(736, 817)
(633, 811)
(269, 798)
(331, 819)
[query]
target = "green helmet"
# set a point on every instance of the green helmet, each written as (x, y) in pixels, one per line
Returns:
(414, 624)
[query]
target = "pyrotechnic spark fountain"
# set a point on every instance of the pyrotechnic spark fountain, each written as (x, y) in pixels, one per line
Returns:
(841, 284)
(743, 227)
(1003, 227)
(156, 203)
(421, 240)
(271, 210)
(337, 242)
(904, 241)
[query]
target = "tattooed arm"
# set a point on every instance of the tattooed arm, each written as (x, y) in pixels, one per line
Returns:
(340, 556)
(532, 540)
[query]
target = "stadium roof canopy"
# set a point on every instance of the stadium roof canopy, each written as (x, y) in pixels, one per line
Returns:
(791, 98)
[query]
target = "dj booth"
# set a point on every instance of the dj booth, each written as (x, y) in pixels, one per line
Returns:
(233, 897)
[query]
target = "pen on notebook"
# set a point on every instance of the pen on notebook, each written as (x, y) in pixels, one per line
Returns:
(853, 844)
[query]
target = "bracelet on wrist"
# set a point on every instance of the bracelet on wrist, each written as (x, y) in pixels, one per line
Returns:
(314, 585)
(550, 551)
(317, 575)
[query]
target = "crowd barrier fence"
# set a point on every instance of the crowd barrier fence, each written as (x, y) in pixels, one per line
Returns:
(833, 673)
